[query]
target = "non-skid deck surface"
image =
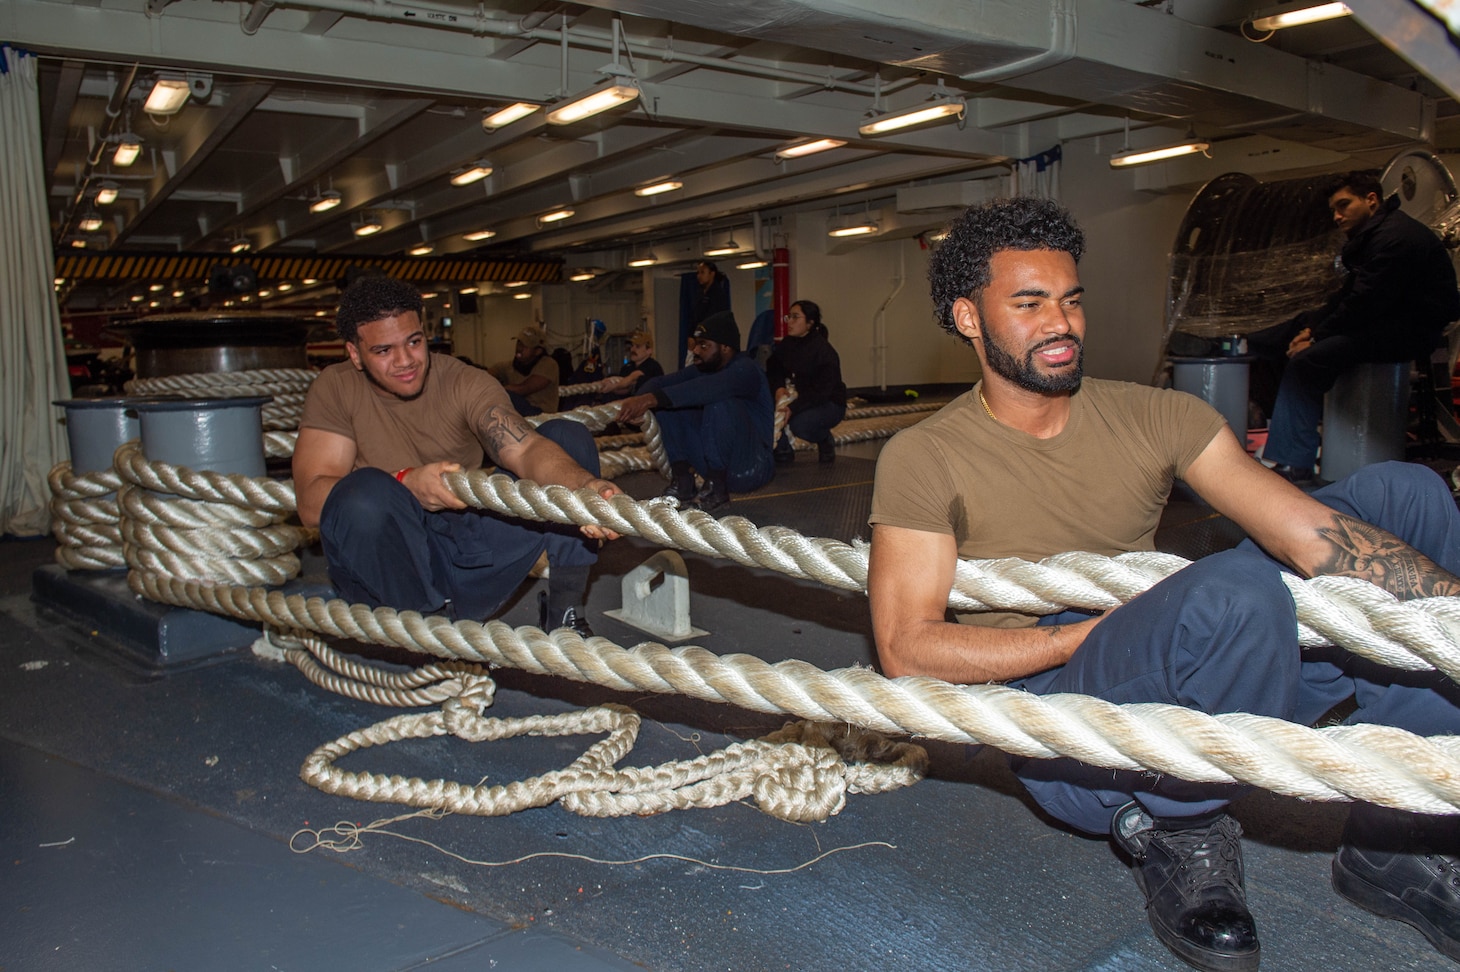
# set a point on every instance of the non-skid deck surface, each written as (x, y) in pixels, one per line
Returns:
(145, 822)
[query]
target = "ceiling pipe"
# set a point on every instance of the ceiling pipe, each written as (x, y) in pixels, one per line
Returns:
(258, 12)
(451, 18)
(114, 108)
(1062, 36)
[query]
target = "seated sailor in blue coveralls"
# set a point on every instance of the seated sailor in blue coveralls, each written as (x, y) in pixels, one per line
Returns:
(1035, 460)
(377, 433)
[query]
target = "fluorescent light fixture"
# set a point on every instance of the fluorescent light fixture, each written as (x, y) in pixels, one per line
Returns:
(137, 298)
(326, 201)
(647, 261)
(517, 283)
(266, 292)
(859, 228)
(59, 281)
(430, 295)
(522, 296)
(106, 194)
(475, 172)
(179, 294)
(1277, 19)
(582, 275)
(309, 281)
(751, 265)
(939, 107)
(724, 249)
(129, 146)
(320, 313)
(154, 303)
(90, 223)
(368, 226)
(155, 288)
(508, 115)
(239, 245)
(423, 249)
(78, 244)
(668, 185)
(1187, 146)
(468, 290)
(555, 216)
(479, 235)
(808, 148)
(619, 91)
(168, 96)
(284, 288)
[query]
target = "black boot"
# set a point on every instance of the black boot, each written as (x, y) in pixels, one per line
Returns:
(681, 487)
(715, 493)
(826, 450)
(784, 452)
(1404, 866)
(561, 605)
(1191, 873)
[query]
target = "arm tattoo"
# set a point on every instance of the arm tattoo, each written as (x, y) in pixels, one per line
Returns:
(501, 428)
(1359, 549)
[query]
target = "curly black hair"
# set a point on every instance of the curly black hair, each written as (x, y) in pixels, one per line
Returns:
(372, 297)
(959, 267)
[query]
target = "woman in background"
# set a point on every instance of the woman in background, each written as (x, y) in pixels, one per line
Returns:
(806, 358)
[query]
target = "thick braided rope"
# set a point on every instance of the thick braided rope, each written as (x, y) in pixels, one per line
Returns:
(339, 673)
(84, 518)
(861, 430)
(227, 384)
(258, 493)
(1379, 764)
(586, 388)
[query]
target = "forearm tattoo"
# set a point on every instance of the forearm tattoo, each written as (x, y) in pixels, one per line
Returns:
(502, 428)
(1359, 549)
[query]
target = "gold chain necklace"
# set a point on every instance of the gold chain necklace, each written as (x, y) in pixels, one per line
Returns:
(985, 403)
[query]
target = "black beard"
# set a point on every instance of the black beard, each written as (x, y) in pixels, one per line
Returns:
(710, 365)
(523, 368)
(425, 377)
(1025, 375)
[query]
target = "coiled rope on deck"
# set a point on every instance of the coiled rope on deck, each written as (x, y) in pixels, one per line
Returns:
(287, 387)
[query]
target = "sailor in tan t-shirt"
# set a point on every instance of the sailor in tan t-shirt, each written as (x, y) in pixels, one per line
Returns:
(377, 433)
(1037, 460)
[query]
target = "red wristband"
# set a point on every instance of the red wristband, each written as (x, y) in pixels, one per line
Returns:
(400, 475)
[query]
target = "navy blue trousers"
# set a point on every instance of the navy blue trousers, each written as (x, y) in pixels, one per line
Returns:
(1221, 636)
(385, 550)
(814, 424)
(724, 435)
(1292, 434)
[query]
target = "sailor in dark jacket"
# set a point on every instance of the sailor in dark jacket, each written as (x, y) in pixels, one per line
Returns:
(806, 358)
(1397, 297)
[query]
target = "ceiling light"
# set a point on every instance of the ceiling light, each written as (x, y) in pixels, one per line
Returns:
(479, 235)
(424, 249)
(555, 216)
(154, 303)
(941, 106)
(668, 185)
(368, 225)
(522, 296)
(266, 292)
(106, 194)
(90, 223)
(647, 261)
(168, 96)
(1187, 146)
(309, 281)
(467, 290)
(179, 293)
(808, 148)
(517, 283)
(59, 281)
(475, 172)
(326, 201)
(78, 243)
(724, 249)
(239, 245)
(582, 275)
(1277, 19)
(129, 146)
(617, 92)
(862, 227)
(136, 298)
(284, 288)
(155, 288)
(430, 295)
(751, 265)
(508, 115)
(320, 313)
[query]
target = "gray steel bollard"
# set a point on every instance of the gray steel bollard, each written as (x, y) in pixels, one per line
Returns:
(97, 427)
(224, 435)
(1220, 382)
(1364, 418)
(656, 598)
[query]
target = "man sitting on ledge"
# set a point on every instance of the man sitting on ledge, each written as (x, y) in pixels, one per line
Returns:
(377, 433)
(1034, 461)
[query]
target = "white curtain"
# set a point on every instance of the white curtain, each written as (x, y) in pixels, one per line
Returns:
(32, 355)
(1039, 175)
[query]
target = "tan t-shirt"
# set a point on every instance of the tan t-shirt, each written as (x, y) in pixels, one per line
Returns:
(545, 398)
(447, 422)
(1099, 486)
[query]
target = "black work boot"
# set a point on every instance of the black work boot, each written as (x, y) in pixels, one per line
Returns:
(826, 450)
(1404, 866)
(570, 617)
(1191, 873)
(784, 452)
(715, 493)
(681, 487)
